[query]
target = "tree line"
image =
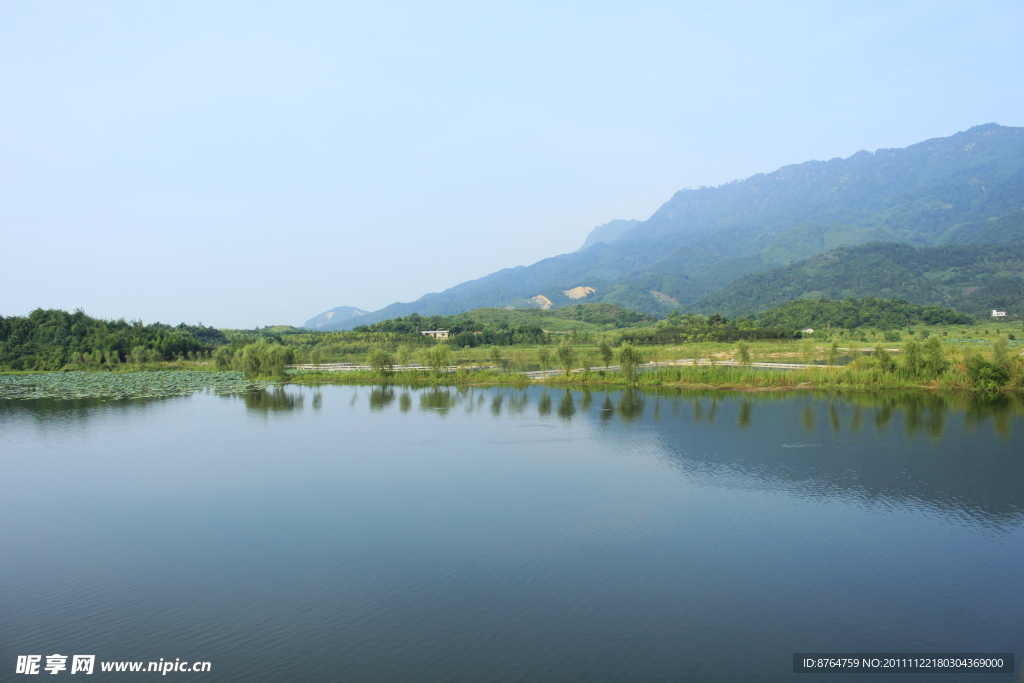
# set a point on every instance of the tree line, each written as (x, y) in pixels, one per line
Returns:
(53, 339)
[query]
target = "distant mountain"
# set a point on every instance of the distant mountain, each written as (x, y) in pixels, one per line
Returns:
(961, 189)
(609, 232)
(330, 319)
(971, 278)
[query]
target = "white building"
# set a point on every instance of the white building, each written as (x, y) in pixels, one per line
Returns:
(436, 334)
(998, 314)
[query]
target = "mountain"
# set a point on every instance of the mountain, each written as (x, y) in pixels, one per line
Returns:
(971, 278)
(954, 190)
(332, 318)
(609, 232)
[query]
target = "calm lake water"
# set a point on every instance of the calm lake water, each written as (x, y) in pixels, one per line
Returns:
(386, 534)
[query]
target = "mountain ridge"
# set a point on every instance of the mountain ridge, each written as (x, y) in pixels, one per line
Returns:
(701, 239)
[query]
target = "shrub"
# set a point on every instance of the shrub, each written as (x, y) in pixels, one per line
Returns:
(892, 336)
(986, 375)
(882, 359)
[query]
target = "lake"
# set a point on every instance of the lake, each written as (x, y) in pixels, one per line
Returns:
(391, 534)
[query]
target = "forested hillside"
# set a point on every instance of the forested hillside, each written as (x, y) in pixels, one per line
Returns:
(853, 313)
(963, 189)
(52, 339)
(970, 278)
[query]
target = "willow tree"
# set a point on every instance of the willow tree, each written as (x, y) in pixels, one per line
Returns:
(604, 350)
(566, 355)
(833, 352)
(935, 362)
(545, 359)
(743, 353)
(380, 361)
(438, 358)
(630, 358)
(912, 360)
(497, 357)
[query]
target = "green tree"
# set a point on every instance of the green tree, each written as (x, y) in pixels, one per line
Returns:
(380, 361)
(1001, 353)
(604, 350)
(566, 355)
(264, 359)
(743, 353)
(137, 355)
(986, 375)
(807, 352)
(544, 356)
(403, 355)
(912, 358)
(315, 356)
(630, 357)
(438, 358)
(882, 359)
(935, 362)
(497, 358)
(833, 353)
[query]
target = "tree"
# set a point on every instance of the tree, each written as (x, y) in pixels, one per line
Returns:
(403, 355)
(566, 355)
(882, 359)
(518, 361)
(315, 356)
(604, 350)
(807, 351)
(545, 359)
(497, 358)
(743, 353)
(630, 357)
(935, 362)
(912, 360)
(1001, 353)
(380, 361)
(986, 375)
(438, 358)
(833, 352)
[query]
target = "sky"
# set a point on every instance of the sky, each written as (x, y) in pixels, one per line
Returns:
(243, 164)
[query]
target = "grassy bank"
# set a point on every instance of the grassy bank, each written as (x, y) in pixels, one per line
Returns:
(719, 377)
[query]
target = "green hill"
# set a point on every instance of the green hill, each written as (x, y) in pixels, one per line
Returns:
(965, 188)
(972, 279)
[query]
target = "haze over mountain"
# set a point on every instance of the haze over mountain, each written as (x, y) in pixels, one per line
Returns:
(938, 192)
(330, 319)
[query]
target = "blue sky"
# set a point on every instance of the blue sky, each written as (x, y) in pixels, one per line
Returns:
(246, 164)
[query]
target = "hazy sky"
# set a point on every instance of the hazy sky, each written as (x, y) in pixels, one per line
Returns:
(245, 163)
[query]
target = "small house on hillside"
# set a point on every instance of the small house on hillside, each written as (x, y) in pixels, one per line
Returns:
(436, 334)
(998, 314)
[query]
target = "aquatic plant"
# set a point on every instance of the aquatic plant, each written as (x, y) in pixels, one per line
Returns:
(120, 385)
